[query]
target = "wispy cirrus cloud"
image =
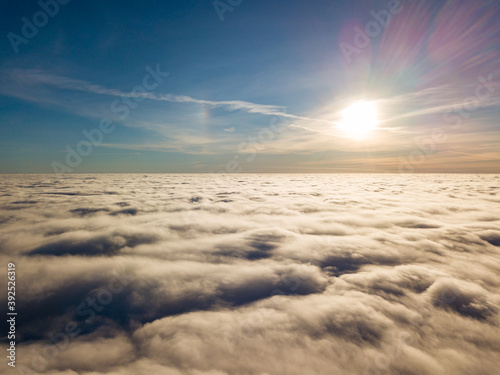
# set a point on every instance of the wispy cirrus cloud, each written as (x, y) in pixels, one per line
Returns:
(177, 131)
(433, 100)
(35, 77)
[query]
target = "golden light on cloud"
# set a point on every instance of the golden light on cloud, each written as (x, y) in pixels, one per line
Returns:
(359, 119)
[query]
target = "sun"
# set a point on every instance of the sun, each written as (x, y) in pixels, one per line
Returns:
(359, 119)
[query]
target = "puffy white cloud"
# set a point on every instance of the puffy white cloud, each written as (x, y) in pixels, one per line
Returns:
(254, 274)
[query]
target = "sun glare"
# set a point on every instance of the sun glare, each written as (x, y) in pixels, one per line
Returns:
(359, 119)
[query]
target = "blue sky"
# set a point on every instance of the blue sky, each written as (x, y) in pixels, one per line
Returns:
(262, 90)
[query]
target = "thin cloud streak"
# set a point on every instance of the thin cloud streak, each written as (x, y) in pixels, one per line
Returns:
(33, 76)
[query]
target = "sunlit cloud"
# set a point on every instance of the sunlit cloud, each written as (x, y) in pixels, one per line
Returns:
(150, 268)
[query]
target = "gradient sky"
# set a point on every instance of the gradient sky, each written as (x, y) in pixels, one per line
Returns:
(259, 88)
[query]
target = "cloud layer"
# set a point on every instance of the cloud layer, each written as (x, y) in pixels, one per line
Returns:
(254, 274)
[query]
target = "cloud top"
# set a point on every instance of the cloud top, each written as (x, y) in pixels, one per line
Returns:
(254, 274)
